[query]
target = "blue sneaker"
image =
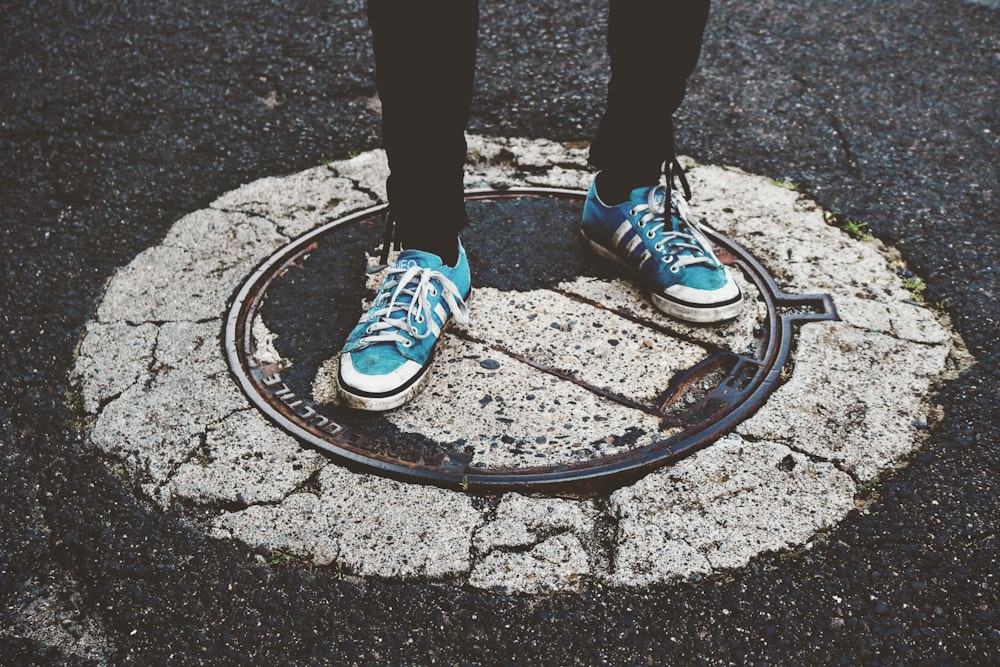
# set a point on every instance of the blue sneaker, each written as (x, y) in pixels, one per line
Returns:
(673, 260)
(385, 359)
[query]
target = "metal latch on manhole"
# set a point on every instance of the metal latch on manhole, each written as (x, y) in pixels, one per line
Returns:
(566, 379)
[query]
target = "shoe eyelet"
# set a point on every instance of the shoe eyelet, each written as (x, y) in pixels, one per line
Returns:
(407, 343)
(650, 235)
(631, 212)
(419, 319)
(675, 268)
(432, 291)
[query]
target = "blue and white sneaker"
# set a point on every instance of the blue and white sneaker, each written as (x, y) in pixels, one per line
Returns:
(384, 362)
(673, 260)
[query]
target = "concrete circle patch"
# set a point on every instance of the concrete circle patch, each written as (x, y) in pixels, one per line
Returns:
(162, 404)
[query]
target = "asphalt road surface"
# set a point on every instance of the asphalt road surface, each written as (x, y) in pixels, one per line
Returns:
(117, 118)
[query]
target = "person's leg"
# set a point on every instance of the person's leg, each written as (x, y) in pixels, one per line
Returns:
(628, 216)
(425, 53)
(425, 57)
(653, 46)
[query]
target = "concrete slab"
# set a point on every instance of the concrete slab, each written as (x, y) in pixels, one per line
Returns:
(557, 563)
(267, 467)
(190, 276)
(165, 408)
(721, 507)
(831, 397)
(514, 415)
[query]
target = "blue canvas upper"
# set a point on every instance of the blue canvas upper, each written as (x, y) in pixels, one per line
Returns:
(666, 250)
(393, 341)
(663, 253)
(417, 298)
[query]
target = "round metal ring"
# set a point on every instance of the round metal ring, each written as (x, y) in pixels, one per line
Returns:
(741, 382)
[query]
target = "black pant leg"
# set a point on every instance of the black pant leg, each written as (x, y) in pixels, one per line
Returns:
(425, 58)
(653, 46)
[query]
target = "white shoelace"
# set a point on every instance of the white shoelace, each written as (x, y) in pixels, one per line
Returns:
(417, 283)
(696, 242)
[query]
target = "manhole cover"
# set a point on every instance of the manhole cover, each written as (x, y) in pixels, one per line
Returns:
(565, 380)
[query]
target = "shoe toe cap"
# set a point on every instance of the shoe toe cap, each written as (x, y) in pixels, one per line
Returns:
(376, 374)
(705, 286)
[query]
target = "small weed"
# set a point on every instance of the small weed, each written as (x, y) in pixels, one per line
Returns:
(280, 556)
(782, 183)
(465, 482)
(786, 374)
(327, 161)
(915, 286)
(857, 230)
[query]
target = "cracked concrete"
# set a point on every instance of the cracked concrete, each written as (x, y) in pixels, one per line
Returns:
(862, 425)
(721, 507)
(154, 381)
(267, 467)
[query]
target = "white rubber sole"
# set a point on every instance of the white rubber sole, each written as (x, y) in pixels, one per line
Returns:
(685, 312)
(382, 403)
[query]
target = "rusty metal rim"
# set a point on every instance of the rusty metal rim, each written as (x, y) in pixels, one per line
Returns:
(586, 477)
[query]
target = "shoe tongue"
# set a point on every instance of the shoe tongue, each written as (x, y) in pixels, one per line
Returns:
(410, 258)
(654, 196)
